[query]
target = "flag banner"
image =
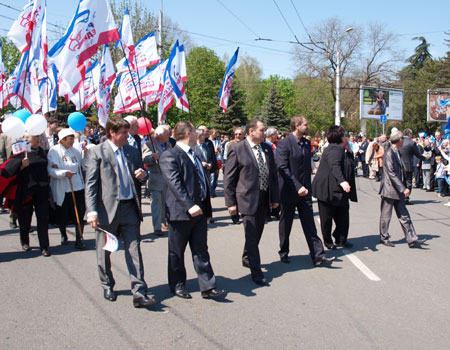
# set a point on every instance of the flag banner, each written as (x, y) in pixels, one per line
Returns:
(7, 93)
(20, 147)
(146, 54)
(49, 91)
(225, 90)
(126, 38)
(92, 26)
(111, 242)
(22, 29)
(152, 84)
(2, 66)
(176, 78)
(103, 95)
(167, 95)
(127, 100)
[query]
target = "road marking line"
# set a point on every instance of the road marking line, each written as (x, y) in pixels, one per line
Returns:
(361, 266)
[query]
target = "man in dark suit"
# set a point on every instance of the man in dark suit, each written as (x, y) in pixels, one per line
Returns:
(393, 192)
(185, 202)
(251, 188)
(293, 161)
(114, 171)
(407, 152)
(211, 158)
(362, 156)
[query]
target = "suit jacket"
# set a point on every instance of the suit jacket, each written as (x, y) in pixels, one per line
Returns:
(293, 161)
(156, 181)
(392, 182)
(212, 155)
(184, 187)
(363, 148)
(5, 147)
(407, 152)
(241, 178)
(102, 192)
(326, 184)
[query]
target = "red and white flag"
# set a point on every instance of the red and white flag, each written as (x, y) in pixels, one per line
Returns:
(92, 26)
(103, 95)
(126, 38)
(146, 55)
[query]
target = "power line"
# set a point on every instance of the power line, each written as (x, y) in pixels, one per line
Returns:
(301, 21)
(18, 10)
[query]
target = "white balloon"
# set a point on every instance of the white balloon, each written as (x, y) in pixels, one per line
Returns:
(13, 127)
(36, 124)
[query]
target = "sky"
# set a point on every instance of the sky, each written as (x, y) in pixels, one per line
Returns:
(223, 25)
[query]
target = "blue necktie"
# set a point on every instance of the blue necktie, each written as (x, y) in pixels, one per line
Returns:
(198, 166)
(123, 175)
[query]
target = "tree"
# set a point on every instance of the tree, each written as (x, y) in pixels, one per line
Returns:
(272, 113)
(11, 55)
(235, 115)
(205, 74)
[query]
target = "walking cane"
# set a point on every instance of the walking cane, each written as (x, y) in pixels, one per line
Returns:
(76, 210)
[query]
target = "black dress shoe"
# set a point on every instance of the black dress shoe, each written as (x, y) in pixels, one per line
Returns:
(245, 263)
(330, 246)
(143, 300)
(324, 261)
(212, 293)
(261, 282)
(64, 240)
(26, 247)
(417, 243)
(285, 259)
(45, 253)
(387, 243)
(182, 293)
(80, 245)
(109, 294)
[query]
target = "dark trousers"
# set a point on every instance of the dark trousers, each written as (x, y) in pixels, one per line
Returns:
(416, 173)
(66, 212)
(441, 186)
(387, 204)
(341, 217)
(125, 225)
(365, 169)
(253, 227)
(408, 180)
(193, 232)
(306, 215)
(39, 201)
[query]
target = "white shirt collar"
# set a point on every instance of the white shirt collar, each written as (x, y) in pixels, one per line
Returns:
(251, 143)
(184, 146)
(113, 145)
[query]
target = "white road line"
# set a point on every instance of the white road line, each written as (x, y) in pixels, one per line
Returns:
(359, 264)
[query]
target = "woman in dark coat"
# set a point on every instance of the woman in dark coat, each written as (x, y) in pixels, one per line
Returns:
(333, 186)
(31, 185)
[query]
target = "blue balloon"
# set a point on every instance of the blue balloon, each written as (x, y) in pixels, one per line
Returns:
(22, 114)
(77, 121)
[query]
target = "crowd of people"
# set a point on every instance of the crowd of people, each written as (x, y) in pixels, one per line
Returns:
(77, 178)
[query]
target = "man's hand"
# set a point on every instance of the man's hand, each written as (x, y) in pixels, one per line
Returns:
(93, 221)
(155, 156)
(274, 205)
(69, 174)
(195, 211)
(303, 191)
(232, 210)
(345, 186)
(406, 193)
(140, 174)
(25, 163)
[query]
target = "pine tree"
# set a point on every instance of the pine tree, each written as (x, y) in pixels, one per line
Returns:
(235, 115)
(272, 113)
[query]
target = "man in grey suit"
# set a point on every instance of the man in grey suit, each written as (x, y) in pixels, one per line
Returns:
(393, 192)
(114, 170)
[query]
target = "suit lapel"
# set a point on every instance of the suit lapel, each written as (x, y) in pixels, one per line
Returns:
(108, 151)
(252, 155)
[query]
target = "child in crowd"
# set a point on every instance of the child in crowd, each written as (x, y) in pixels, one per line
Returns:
(440, 176)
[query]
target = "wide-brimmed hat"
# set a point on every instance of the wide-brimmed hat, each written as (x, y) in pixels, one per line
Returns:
(66, 132)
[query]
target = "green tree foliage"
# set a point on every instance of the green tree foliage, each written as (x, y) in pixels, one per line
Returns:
(235, 115)
(11, 55)
(205, 73)
(272, 113)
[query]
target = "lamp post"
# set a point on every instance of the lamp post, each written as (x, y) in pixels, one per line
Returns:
(337, 116)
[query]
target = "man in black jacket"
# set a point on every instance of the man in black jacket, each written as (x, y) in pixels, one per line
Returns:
(407, 152)
(294, 167)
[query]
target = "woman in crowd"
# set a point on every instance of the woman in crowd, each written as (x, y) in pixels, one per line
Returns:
(65, 165)
(31, 182)
(333, 186)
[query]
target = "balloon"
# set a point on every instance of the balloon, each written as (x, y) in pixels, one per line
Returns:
(143, 130)
(36, 124)
(77, 121)
(13, 127)
(22, 114)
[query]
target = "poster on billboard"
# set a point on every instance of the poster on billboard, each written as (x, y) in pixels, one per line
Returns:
(438, 105)
(375, 102)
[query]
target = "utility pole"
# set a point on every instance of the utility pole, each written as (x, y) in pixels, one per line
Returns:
(160, 25)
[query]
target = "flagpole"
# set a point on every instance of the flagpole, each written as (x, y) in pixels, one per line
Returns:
(26, 72)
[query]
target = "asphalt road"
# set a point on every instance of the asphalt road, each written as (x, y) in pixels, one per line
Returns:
(373, 297)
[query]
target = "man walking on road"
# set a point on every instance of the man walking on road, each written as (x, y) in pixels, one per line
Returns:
(393, 192)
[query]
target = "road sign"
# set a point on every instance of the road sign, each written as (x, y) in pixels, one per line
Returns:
(383, 119)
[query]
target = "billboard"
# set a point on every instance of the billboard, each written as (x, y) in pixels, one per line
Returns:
(380, 101)
(437, 108)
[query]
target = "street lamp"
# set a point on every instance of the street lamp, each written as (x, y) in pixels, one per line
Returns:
(337, 116)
